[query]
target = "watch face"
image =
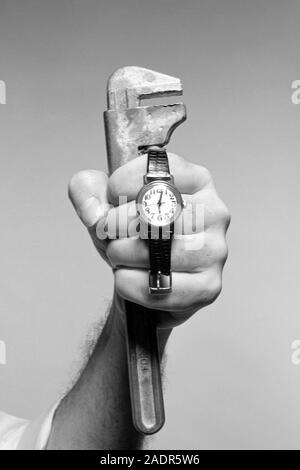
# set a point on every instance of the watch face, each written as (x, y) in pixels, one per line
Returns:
(159, 203)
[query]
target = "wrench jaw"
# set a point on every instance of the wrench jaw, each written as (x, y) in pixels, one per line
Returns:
(127, 86)
(130, 128)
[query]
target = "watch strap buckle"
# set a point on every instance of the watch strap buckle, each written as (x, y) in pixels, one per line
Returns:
(160, 283)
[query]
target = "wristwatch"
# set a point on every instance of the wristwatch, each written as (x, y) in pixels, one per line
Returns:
(159, 204)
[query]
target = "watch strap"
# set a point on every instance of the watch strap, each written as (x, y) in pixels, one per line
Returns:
(160, 253)
(160, 276)
(160, 239)
(158, 162)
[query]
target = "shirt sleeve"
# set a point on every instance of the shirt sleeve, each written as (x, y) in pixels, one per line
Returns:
(22, 434)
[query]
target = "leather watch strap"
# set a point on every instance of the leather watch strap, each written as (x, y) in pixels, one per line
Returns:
(160, 252)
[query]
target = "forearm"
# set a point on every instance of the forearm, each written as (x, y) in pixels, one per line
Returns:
(96, 414)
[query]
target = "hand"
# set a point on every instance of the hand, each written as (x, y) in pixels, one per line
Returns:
(197, 259)
(159, 201)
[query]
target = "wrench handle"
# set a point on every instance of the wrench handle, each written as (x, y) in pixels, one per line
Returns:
(144, 369)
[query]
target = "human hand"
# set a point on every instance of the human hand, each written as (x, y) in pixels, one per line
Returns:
(197, 259)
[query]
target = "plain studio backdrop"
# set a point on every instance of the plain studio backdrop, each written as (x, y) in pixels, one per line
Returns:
(230, 381)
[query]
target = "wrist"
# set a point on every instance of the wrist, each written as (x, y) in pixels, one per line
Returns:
(116, 322)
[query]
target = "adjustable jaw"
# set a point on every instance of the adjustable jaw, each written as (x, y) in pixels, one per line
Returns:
(131, 128)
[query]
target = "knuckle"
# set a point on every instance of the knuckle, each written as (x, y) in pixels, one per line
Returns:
(226, 215)
(220, 249)
(213, 287)
(77, 180)
(222, 213)
(204, 173)
(112, 253)
(201, 174)
(85, 180)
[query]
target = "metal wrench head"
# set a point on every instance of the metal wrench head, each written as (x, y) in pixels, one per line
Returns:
(131, 128)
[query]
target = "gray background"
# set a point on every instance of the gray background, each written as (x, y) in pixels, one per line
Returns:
(230, 382)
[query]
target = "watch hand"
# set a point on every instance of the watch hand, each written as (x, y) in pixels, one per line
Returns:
(160, 197)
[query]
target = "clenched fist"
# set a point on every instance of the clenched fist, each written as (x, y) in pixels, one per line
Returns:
(197, 258)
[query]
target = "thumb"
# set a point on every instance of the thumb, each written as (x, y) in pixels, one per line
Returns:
(88, 194)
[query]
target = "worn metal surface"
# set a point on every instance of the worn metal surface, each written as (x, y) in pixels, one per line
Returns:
(131, 128)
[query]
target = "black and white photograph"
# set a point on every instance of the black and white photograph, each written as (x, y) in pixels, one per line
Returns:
(149, 246)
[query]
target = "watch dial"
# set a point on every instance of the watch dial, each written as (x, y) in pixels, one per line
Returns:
(159, 205)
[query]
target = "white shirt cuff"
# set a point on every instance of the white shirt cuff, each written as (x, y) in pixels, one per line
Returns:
(37, 432)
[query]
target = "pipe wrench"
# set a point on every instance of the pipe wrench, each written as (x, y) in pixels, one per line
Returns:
(131, 129)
